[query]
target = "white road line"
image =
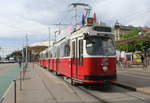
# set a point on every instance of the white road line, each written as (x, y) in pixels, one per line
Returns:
(4, 95)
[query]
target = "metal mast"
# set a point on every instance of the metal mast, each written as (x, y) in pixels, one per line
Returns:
(49, 29)
(26, 48)
(87, 8)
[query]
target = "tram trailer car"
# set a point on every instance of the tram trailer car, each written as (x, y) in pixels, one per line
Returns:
(87, 55)
(42, 59)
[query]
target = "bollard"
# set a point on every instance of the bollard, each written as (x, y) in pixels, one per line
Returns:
(23, 73)
(20, 81)
(14, 91)
(33, 66)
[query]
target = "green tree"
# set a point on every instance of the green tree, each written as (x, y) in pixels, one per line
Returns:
(15, 54)
(139, 45)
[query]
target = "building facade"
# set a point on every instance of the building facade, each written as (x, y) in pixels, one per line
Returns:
(120, 30)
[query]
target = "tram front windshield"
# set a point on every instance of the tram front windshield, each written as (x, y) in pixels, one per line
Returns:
(102, 46)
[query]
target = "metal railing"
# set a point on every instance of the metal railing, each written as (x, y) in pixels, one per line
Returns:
(12, 89)
(124, 65)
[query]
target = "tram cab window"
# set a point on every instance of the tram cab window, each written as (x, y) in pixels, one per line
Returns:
(100, 46)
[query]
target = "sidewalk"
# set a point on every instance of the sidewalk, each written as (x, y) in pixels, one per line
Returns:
(135, 79)
(40, 86)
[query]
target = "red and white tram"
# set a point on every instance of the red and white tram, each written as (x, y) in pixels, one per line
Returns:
(87, 55)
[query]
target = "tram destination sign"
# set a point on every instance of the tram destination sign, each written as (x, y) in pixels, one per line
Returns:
(95, 33)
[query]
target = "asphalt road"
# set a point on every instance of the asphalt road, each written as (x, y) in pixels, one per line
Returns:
(8, 73)
(6, 67)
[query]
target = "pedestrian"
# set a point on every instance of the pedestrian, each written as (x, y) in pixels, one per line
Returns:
(19, 62)
(142, 59)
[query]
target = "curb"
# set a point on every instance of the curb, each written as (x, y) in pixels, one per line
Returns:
(125, 86)
(6, 92)
(141, 90)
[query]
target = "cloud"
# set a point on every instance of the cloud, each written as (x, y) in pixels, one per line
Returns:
(128, 12)
(18, 17)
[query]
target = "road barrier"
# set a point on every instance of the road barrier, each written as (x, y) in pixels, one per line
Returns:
(15, 91)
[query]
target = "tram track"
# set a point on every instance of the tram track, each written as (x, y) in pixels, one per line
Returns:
(96, 97)
(50, 92)
(130, 94)
(140, 98)
(102, 100)
(97, 94)
(99, 100)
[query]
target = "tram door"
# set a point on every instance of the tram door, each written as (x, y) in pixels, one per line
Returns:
(77, 44)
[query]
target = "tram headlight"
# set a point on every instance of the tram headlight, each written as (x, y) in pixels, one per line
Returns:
(105, 68)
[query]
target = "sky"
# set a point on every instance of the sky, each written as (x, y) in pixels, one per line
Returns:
(33, 17)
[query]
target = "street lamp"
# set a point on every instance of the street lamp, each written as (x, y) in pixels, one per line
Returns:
(26, 48)
(49, 29)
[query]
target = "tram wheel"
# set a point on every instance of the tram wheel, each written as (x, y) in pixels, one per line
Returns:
(56, 73)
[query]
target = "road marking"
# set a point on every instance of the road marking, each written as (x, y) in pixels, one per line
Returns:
(4, 95)
(136, 96)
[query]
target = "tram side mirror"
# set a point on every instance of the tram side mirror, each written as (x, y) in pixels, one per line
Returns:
(85, 35)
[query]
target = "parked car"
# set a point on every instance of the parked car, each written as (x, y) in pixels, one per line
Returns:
(11, 60)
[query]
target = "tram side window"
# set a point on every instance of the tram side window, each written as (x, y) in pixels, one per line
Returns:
(49, 54)
(41, 56)
(81, 51)
(46, 54)
(62, 50)
(54, 53)
(67, 49)
(73, 49)
(58, 52)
